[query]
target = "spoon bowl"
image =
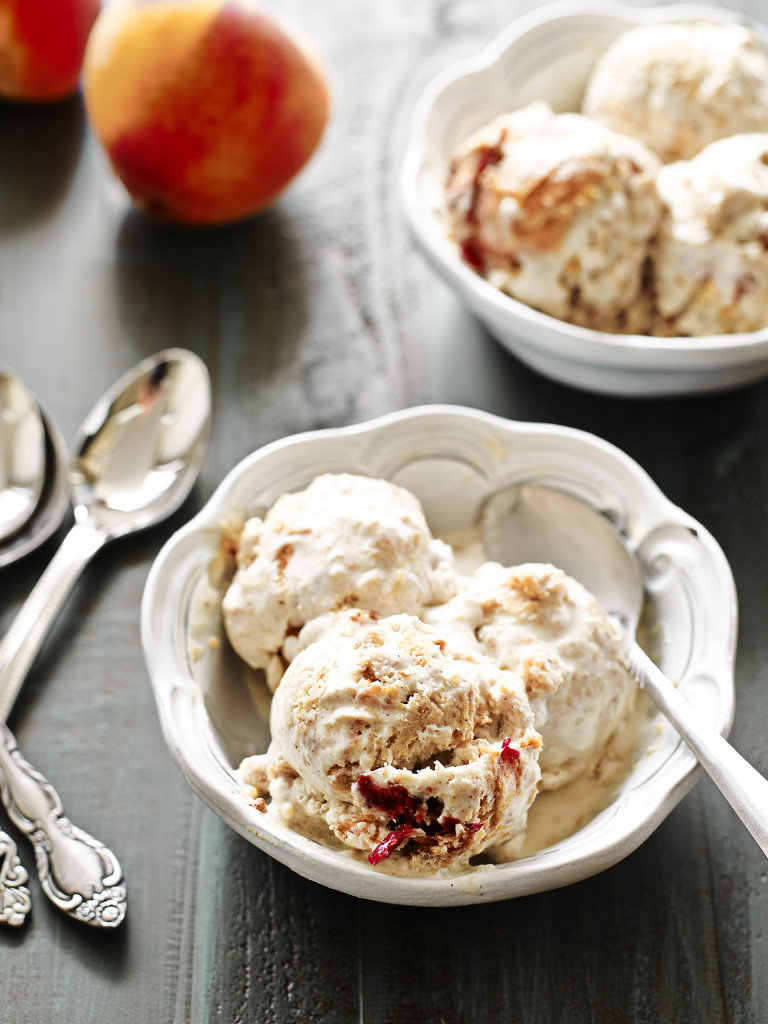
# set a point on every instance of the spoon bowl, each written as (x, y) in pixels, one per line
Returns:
(22, 454)
(53, 505)
(531, 522)
(138, 452)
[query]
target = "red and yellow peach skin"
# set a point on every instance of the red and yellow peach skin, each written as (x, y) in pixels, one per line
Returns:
(206, 108)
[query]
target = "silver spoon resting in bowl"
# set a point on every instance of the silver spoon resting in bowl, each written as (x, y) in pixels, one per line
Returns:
(531, 522)
(134, 461)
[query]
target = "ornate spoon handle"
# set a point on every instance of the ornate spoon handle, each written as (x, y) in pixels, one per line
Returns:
(15, 900)
(77, 872)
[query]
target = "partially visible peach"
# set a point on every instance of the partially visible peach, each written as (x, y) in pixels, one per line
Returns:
(206, 108)
(41, 47)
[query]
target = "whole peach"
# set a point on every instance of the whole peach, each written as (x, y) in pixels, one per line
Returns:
(206, 108)
(41, 47)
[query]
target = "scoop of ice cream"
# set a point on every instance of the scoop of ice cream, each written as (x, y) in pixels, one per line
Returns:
(557, 211)
(680, 86)
(388, 695)
(344, 541)
(373, 730)
(711, 261)
(501, 709)
(545, 627)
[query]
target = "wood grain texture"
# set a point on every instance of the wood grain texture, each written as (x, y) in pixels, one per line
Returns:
(321, 313)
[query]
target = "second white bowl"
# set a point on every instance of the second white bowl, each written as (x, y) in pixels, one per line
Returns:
(549, 55)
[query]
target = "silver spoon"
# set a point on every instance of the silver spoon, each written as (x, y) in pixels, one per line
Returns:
(534, 523)
(38, 495)
(22, 454)
(135, 459)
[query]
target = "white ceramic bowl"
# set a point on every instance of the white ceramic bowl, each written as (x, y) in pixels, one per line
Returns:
(549, 55)
(452, 459)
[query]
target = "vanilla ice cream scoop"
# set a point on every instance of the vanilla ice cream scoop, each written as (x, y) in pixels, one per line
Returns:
(679, 86)
(558, 212)
(711, 260)
(373, 730)
(345, 541)
(542, 625)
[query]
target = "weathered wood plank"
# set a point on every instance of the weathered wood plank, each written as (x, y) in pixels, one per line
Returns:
(321, 313)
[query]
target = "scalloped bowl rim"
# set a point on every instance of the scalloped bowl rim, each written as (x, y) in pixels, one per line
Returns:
(676, 352)
(189, 733)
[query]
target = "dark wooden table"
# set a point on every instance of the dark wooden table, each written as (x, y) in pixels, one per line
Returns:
(321, 313)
